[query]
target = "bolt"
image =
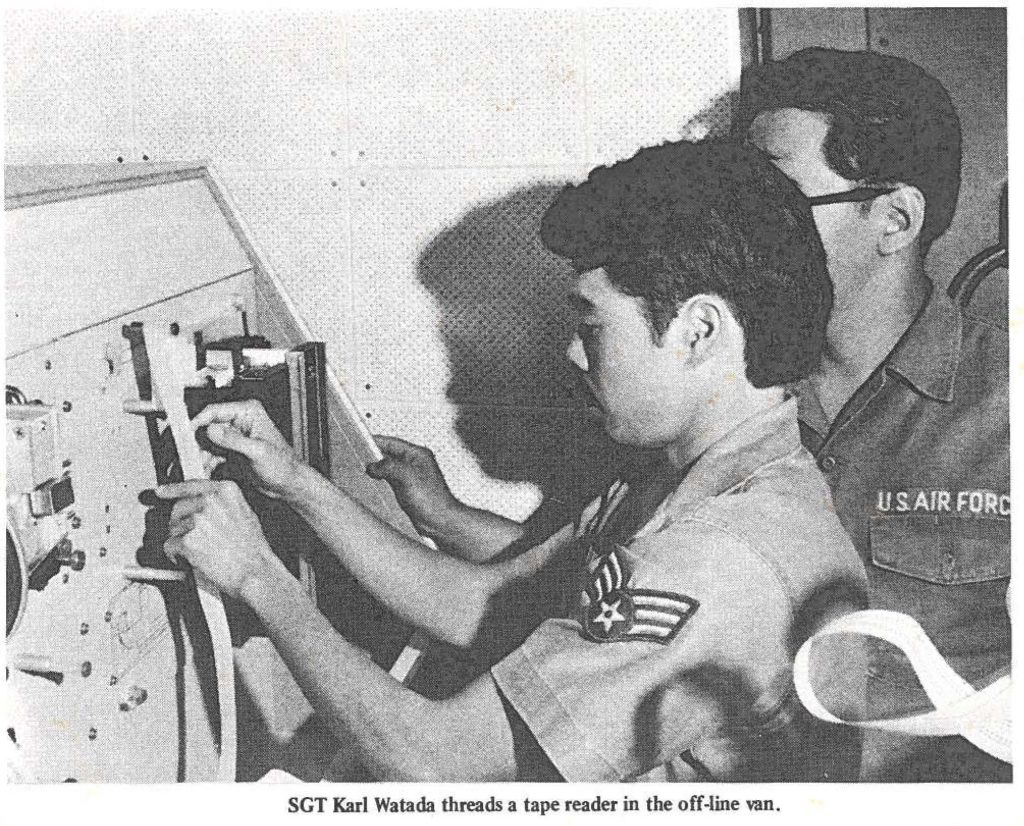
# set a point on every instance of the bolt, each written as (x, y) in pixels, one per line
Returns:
(175, 328)
(113, 679)
(66, 407)
(19, 432)
(103, 552)
(47, 365)
(136, 697)
(83, 629)
(92, 733)
(76, 521)
(86, 668)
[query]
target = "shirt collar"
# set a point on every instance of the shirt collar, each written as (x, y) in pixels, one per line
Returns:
(763, 438)
(928, 354)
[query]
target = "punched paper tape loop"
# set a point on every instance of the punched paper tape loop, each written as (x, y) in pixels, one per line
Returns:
(167, 357)
(982, 717)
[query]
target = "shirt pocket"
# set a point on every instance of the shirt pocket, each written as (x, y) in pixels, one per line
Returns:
(945, 550)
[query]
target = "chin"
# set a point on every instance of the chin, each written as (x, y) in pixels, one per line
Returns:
(620, 433)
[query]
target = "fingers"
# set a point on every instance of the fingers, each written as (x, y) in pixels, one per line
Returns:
(174, 549)
(187, 507)
(211, 462)
(232, 438)
(392, 446)
(240, 414)
(182, 526)
(183, 490)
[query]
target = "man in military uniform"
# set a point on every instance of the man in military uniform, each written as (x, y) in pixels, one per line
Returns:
(907, 414)
(678, 600)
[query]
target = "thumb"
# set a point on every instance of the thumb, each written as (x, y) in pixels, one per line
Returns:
(381, 469)
(232, 439)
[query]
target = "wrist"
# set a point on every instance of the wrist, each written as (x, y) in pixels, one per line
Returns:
(258, 586)
(302, 483)
(445, 524)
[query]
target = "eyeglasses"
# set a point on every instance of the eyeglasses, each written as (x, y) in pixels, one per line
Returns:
(851, 196)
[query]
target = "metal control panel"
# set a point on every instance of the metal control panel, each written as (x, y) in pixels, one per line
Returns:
(112, 676)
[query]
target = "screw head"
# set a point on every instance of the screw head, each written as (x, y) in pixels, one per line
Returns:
(103, 552)
(47, 365)
(92, 733)
(76, 521)
(108, 616)
(86, 668)
(66, 407)
(83, 629)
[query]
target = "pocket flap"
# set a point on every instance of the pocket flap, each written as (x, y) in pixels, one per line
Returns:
(946, 550)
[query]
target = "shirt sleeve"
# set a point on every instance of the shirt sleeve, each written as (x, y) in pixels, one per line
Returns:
(609, 710)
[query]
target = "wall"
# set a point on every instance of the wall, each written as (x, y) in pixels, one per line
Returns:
(393, 166)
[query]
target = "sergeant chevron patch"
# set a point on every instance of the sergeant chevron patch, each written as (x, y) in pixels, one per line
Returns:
(637, 614)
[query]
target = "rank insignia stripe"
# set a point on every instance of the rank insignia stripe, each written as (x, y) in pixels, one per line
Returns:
(609, 575)
(637, 614)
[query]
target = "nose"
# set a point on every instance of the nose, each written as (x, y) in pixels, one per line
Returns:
(577, 354)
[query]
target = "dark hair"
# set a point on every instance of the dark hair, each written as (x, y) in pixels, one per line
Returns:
(889, 121)
(716, 217)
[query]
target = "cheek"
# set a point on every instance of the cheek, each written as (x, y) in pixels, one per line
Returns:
(847, 252)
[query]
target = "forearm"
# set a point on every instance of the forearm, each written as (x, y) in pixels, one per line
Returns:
(397, 734)
(441, 594)
(473, 534)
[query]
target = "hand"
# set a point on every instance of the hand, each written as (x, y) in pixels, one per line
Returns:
(417, 481)
(213, 528)
(244, 427)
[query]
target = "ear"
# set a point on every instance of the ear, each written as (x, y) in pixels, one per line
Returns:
(697, 328)
(903, 218)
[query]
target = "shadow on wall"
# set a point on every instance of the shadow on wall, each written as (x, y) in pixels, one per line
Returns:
(505, 322)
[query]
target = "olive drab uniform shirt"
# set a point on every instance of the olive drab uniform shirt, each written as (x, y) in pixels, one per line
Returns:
(674, 659)
(918, 464)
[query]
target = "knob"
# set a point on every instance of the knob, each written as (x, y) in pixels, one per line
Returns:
(67, 555)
